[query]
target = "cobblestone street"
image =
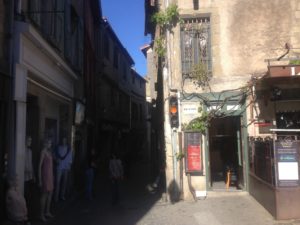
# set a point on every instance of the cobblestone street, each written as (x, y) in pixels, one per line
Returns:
(140, 207)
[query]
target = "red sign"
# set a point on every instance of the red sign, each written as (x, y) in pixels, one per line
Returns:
(194, 158)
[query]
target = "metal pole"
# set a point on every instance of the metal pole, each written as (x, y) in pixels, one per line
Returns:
(174, 149)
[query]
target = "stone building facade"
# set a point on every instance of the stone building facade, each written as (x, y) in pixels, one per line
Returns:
(231, 42)
(121, 124)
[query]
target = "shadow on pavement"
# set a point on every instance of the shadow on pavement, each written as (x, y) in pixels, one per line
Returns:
(135, 202)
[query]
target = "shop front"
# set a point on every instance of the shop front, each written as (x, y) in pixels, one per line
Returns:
(43, 95)
(226, 151)
(274, 142)
(221, 162)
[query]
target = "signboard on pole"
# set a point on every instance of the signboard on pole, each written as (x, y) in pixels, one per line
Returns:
(287, 163)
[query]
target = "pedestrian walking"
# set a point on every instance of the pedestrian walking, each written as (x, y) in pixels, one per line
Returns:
(29, 178)
(116, 175)
(90, 174)
(63, 158)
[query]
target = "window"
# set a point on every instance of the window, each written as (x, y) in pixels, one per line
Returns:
(112, 97)
(116, 57)
(59, 23)
(106, 46)
(141, 112)
(195, 44)
(47, 19)
(98, 42)
(133, 77)
(196, 4)
(80, 46)
(124, 71)
(134, 111)
(34, 7)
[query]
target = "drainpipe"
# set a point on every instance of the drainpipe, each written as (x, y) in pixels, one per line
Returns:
(168, 52)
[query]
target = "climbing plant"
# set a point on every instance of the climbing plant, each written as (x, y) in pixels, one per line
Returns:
(166, 20)
(160, 48)
(198, 124)
(294, 62)
(200, 75)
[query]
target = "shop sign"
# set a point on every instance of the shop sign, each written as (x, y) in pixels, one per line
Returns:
(229, 107)
(190, 109)
(287, 162)
(193, 153)
(194, 156)
(233, 107)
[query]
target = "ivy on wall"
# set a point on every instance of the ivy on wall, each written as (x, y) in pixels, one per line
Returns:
(166, 20)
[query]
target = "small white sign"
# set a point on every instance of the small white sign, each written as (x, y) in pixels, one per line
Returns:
(288, 171)
(190, 109)
(233, 107)
(212, 107)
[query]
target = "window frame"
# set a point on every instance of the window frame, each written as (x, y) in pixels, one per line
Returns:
(116, 57)
(199, 49)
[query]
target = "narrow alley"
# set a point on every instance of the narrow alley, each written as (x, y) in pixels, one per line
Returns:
(149, 112)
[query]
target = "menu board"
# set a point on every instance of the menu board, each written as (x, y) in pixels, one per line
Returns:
(287, 163)
(193, 152)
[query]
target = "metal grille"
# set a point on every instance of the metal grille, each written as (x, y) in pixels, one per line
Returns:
(195, 44)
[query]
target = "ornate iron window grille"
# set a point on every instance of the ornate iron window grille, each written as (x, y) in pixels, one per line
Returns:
(195, 44)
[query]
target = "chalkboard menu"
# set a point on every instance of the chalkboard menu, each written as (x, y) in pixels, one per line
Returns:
(287, 162)
(193, 153)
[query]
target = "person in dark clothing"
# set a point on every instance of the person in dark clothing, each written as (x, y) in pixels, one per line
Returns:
(116, 174)
(90, 174)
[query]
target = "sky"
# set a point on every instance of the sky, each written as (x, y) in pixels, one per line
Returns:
(127, 20)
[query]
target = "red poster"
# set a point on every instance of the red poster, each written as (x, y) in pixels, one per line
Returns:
(194, 158)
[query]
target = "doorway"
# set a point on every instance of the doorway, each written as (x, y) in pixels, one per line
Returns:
(225, 154)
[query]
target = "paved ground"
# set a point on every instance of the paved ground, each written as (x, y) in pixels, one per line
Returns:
(139, 207)
(225, 209)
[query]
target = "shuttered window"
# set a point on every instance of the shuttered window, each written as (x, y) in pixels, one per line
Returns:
(34, 11)
(59, 23)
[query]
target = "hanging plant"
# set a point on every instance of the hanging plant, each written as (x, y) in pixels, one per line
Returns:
(200, 75)
(198, 124)
(294, 62)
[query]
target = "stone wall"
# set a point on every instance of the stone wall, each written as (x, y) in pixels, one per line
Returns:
(244, 34)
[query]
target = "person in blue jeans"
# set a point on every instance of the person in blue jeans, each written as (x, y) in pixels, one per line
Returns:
(63, 158)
